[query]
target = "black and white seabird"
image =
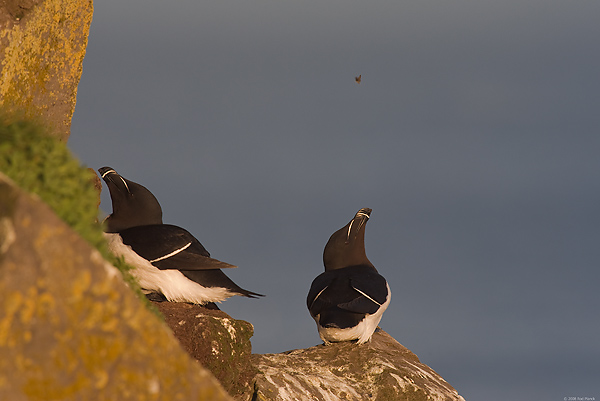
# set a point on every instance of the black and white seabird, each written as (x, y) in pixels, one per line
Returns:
(167, 259)
(348, 300)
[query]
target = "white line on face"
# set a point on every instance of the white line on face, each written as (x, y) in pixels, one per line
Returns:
(126, 186)
(352, 222)
(108, 172)
(349, 228)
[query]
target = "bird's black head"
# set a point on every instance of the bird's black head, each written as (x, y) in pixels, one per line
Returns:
(133, 205)
(346, 246)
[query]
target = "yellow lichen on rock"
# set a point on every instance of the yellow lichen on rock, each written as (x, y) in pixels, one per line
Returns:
(41, 58)
(70, 329)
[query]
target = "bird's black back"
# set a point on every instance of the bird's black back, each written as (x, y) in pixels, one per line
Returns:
(341, 298)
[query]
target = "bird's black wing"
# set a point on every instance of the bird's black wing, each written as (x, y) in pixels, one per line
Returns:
(371, 285)
(314, 301)
(370, 291)
(170, 247)
(216, 278)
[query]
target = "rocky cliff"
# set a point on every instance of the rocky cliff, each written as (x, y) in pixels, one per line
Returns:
(42, 45)
(217, 341)
(70, 329)
(381, 370)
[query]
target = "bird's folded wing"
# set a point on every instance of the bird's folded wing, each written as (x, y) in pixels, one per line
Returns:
(371, 285)
(170, 247)
(319, 284)
(360, 304)
(371, 291)
(190, 261)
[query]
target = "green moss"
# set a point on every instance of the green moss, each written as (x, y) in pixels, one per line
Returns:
(40, 164)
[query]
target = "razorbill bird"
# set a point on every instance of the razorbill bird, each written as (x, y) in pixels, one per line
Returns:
(348, 300)
(167, 259)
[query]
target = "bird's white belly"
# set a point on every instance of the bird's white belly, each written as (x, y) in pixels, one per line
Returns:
(170, 282)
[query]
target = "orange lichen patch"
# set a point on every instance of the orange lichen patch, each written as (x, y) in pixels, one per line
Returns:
(41, 58)
(71, 329)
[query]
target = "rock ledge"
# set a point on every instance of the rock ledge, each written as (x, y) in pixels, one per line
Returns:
(382, 369)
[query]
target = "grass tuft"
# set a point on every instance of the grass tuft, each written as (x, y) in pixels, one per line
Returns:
(40, 164)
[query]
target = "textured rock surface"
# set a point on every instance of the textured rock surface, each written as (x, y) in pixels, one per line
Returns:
(379, 370)
(42, 45)
(70, 329)
(219, 342)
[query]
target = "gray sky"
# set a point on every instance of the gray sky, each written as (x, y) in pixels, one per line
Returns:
(474, 136)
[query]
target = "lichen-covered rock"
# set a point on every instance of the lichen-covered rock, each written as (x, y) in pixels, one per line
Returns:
(379, 370)
(219, 342)
(69, 327)
(42, 46)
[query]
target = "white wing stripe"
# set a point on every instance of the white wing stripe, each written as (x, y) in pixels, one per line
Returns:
(367, 296)
(175, 252)
(320, 292)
